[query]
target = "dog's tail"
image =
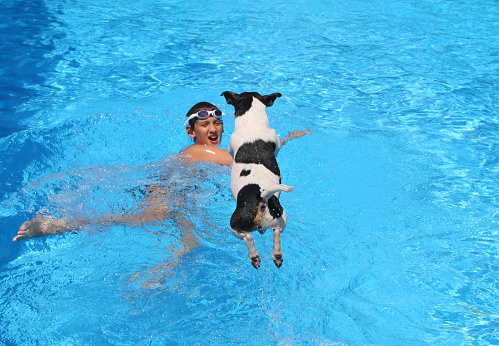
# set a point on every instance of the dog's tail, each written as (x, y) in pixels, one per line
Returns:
(272, 189)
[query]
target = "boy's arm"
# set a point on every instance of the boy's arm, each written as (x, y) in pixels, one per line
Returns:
(295, 134)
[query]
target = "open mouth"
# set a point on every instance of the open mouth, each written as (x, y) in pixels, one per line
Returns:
(213, 139)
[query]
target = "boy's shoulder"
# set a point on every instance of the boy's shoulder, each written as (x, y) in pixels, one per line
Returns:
(196, 153)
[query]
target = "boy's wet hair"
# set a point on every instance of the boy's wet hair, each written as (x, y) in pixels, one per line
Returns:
(201, 106)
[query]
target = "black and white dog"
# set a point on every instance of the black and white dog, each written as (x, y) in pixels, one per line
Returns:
(255, 177)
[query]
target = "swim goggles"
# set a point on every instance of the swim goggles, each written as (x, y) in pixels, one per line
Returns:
(204, 115)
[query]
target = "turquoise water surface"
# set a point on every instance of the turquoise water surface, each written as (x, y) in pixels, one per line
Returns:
(393, 226)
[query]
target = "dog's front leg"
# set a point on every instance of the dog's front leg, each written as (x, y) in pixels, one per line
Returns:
(277, 253)
(253, 254)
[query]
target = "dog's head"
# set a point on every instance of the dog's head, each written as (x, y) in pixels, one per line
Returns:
(249, 210)
(242, 102)
(251, 205)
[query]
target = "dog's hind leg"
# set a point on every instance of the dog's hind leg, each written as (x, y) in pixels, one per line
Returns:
(253, 254)
(277, 253)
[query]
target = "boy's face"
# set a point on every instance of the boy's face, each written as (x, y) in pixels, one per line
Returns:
(207, 131)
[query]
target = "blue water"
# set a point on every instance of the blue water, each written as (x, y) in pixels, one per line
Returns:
(393, 226)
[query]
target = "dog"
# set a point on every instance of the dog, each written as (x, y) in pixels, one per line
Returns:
(255, 176)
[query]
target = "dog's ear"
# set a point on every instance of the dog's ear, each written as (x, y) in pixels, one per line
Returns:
(230, 96)
(268, 100)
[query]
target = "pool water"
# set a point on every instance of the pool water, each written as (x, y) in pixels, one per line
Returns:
(393, 226)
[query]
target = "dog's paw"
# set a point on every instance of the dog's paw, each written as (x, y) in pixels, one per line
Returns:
(255, 261)
(278, 260)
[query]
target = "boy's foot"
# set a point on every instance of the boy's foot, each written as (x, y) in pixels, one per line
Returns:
(38, 227)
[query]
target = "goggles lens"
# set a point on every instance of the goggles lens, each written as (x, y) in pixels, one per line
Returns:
(205, 114)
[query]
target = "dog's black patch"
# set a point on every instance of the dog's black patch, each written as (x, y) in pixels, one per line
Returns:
(275, 208)
(259, 152)
(247, 201)
(245, 172)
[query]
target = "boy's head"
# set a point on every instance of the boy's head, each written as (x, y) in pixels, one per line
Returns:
(201, 106)
(204, 124)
